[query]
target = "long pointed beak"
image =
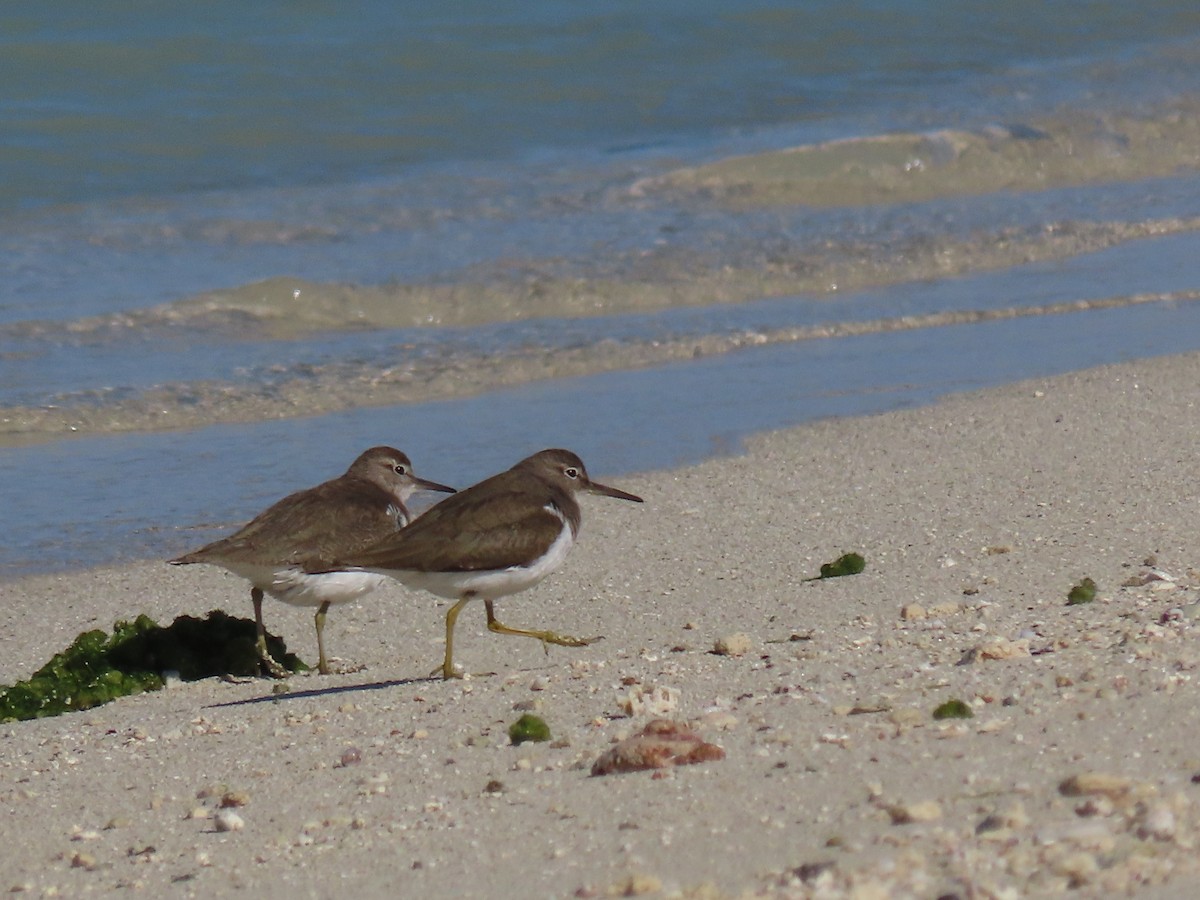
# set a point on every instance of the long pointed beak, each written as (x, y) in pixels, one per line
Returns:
(594, 487)
(421, 484)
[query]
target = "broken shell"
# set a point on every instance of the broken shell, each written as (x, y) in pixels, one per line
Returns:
(908, 813)
(649, 700)
(997, 648)
(737, 644)
(660, 744)
(1095, 783)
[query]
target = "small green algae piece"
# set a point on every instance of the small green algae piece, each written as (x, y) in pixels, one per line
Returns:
(1084, 592)
(953, 709)
(529, 728)
(98, 667)
(846, 564)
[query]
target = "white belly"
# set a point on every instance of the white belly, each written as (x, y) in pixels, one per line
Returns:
(301, 589)
(493, 583)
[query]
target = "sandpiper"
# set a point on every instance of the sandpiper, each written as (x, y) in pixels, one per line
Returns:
(309, 529)
(496, 538)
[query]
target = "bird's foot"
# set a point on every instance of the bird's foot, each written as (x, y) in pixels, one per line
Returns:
(455, 671)
(335, 666)
(546, 637)
(268, 664)
(448, 671)
(564, 640)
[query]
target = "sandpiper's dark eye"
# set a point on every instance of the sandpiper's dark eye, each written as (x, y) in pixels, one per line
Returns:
(571, 472)
(400, 470)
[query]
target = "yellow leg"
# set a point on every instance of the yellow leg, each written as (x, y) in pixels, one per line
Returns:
(546, 637)
(322, 662)
(448, 669)
(260, 644)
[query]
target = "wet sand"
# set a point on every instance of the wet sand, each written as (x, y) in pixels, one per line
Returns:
(975, 516)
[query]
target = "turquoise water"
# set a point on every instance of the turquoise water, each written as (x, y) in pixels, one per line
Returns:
(162, 168)
(136, 99)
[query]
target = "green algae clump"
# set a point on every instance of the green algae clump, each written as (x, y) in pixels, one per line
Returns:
(100, 667)
(80, 677)
(529, 728)
(846, 564)
(953, 709)
(1084, 592)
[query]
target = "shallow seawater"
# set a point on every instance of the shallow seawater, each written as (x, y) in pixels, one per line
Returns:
(153, 495)
(171, 375)
(640, 232)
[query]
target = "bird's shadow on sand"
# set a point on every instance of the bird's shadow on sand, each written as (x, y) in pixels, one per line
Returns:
(331, 691)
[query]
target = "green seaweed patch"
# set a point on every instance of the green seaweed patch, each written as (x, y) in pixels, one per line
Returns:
(100, 667)
(953, 709)
(529, 728)
(1084, 592)
(846, 564)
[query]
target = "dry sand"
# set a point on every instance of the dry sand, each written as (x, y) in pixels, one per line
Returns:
(982, 511)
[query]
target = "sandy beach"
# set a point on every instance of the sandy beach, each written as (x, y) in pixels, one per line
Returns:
(1075, 774)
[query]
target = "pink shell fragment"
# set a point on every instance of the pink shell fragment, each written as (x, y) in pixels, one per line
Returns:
(659, 744)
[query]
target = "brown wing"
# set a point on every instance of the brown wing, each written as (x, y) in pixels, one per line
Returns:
(310, 528)
(468, 532)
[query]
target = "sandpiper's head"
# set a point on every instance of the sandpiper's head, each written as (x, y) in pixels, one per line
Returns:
(566, 470)
(392, 471)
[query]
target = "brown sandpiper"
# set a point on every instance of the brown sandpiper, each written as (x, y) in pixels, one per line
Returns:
(310, 529)
(498, 537)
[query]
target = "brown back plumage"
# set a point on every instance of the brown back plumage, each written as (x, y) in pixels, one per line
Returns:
(314, 527)
(506, 520)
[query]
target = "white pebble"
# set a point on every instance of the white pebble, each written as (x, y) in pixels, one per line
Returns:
(1158, 822)
(228, 820)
